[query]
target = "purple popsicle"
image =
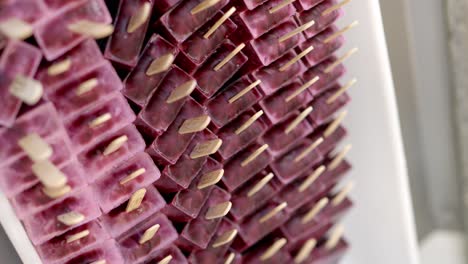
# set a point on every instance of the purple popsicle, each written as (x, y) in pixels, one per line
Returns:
(174, 253)
(323, 110)
(142, 80)
(324, 256)
(261, 253)
(327, 73)
(331, 141)
(321, 49)
(28, 11)
(302, 5)
(107, 251)
(321, 15)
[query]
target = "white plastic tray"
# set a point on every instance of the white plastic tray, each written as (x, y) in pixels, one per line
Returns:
(380, 228)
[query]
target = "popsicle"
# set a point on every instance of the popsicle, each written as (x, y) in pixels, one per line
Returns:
(201, 44)
(324, 14)
(117, 186)
(330, 250)
(20, 58)
(36, 198)
(288, 132)
(171, 255)
(331, 139)
(167, 148)
(18, 18)
(131, 23)
(154, 63)
(72, 243)
(241, 132)
(277, 106)
(188, 16)
(302, 5)
(250, 4)
(75, 210)
(326, 73)
(233, 101)
(165, 103)
(326, 108)
(219, 68)
(305, 155)
(271, 250)
(111, 151)
(187, 203)
(245, 165)
(279, 73)
(106, 252)
(66, 30)
(315, 233)
(78, 94)
(142, 204)
(147, 238)
(179, 176)
(163, 6)
(197, 233)
(339, 203)
(334, 173)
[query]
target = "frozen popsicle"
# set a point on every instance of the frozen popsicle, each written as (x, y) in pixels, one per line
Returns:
(219, 68)
(166, 101)
(188, 16)
(168, 147)
(117, 186)
(324, 14)
(79, 94)
(131, 23)
(198, 232)
(75, 210)
(147, 238)
(326, 73)
(72, 243)
(163, 6)
(245, 165)
(155, 61)
(64, 31)
(187, 203)
(272, 250)
(20, 58)
(330, 250)
(325, 108)
(241, 132)
(19, 17)
(111, 151)
(106, 252)
(250, 4)
(302, 5)
(336, 170)
(305, 155)
(171, 255)
(331, 139)
(233, 101)
(200, 45)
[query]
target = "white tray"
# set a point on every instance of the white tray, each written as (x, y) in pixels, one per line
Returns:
(380, 227)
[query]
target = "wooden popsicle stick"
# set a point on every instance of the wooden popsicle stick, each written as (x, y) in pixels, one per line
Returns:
(132, 176)
(340, 196)
(115, 145)
(26, 89)
(219, 22)
(166, 260)
(305, 250)
(296, 31)
(341, 60)
(341, 91)
(71, 218)
(229, 57)
(149, 234)
(335, 124)
(181, 91)
(14, 28)
(308, 150)
(59, 67)
(91, 29)
(195, 124)
(298, 120)
(206, 148)
(35, 147)
(257, 187)
(86, 86)
(139, 18)
(225, 238)
(254, 155)
(335, 237)
(302, 89)
(280, 6)
(273, 249)
(160, 64)
(335, 7)
(56, 193)
(210, 179)
(341, 32)
(230, 258)
(102, 261)
(339, 157)
(315, 210)
(100, 120)
(311, 178)
(135, 200)
(49, 175)
(203, 6)
(218, 210)
(296, 59)
(244, 91)
(249, 122)
(77, 236)
(273, 212)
